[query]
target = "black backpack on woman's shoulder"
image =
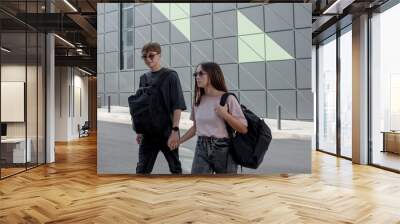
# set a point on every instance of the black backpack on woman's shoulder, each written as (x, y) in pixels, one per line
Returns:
(248, 149)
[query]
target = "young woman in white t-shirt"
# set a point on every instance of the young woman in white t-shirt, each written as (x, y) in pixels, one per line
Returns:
(212, 148)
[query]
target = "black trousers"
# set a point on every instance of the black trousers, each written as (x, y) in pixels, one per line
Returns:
(148, 151)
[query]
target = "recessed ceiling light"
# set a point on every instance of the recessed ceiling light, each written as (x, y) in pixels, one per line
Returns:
(86, 72)
(64, 40)
(70, 5)
(5, 50)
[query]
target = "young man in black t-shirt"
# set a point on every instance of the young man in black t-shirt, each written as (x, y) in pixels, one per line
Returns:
(172, 94)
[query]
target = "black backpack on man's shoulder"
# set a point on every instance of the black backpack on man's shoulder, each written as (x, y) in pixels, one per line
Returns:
(149, 112)
(248, 149)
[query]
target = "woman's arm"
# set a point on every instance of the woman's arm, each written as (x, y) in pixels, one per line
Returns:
(188, 135)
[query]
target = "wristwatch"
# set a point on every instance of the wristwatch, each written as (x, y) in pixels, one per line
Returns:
(175, 129)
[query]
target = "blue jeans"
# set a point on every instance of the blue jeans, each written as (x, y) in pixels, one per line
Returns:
(212, 156)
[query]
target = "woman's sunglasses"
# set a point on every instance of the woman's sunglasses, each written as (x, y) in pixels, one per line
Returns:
(151, 56)
(200, 74)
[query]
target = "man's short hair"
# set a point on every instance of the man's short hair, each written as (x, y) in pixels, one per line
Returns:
(151, 46)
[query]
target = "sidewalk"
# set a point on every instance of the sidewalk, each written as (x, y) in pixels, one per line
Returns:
(290, 129)
(117, 150)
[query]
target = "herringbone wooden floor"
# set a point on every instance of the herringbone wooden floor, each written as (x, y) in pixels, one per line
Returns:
(70, 191)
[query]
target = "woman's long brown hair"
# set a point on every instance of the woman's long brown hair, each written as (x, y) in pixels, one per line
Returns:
(216, 77)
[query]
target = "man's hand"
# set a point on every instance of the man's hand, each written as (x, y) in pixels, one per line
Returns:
(173, 140)
(139, 138)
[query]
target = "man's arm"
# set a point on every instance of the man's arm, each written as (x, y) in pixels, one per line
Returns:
(173, 141)
(177, 117)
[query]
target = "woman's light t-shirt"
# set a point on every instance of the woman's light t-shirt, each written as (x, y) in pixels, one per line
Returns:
(208, 122)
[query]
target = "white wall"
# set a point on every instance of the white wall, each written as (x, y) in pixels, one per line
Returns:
(69, 82)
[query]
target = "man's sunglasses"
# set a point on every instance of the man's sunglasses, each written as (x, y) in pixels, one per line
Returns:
(200, 73)
(151, 56)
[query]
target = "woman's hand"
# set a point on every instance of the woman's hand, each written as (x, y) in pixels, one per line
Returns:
(222, 111)
(173, 140)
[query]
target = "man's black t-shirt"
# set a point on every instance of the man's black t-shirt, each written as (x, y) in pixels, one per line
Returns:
(170, 88)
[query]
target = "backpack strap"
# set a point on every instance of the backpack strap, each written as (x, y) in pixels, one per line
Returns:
(157, 85)
(222, 102)
(224, 98)
(229, 129)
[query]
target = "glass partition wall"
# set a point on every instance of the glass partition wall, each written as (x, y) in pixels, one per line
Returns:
(334, 89)
(345, 61)
(385, 89)
(327, 95)
(22, 107)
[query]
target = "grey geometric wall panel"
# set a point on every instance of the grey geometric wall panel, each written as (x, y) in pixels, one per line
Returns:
(100, 8)
(303, 73)
(255, 101)
(303, 43)
(252, 76)
(126, 81)
(100, 97)
(100, 43)
(157, 16)
(165, 55)
(278, 17)
(142, 35)
(111, 80)
(245, 5)
(201, 51)
(180, 55)
(185, 77)
(226, 50)
(200, 8)
(285, 98)
(225, 24)
(100, 63)
(253, 14)
(109, 7)
(177, 36)
(160, 33)
(100, 24)
(142, 15)
(111, 40)
(201, 27)
(114, 98)
(139, 64)
(217, 7)
(100, 83)
(137, 78)
(213, 37)
(285, 39)
(111, 62)
(302, 15)
(123, 99)
(281, 74)
(111, 23)
(305, 106)
(188, 100)
(231, 76)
